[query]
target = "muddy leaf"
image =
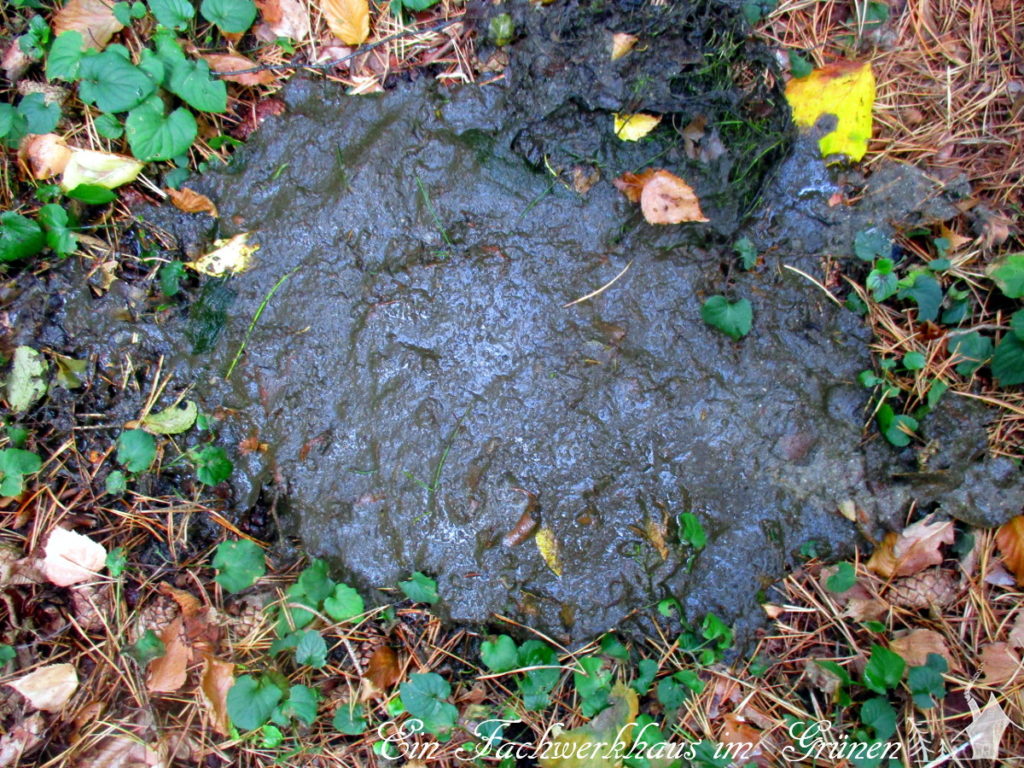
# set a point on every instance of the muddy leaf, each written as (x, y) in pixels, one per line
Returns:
(217, 678)
(384, 670)
(168, 672)
(918, 546)
(233, 62)
(48, 688)
(190, 201)
(999, 664)
(348, 20)
(581, 747)
(23, 739)
(1010, 540)
(634, 127)
(667, 199)
(655, 532)
(632, 184)
(121, 752)
(285, 18)
(521, 531)
(172, 420)
(71, 558)
(843, 89)
(46, 155)
(69, 371)
(622, 43)
(27, 380)
(93, 18)
(99, 169)
(228, 257)
(914, 647)
(547, 545)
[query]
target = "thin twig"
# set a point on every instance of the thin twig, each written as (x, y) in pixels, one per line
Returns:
(600, 290)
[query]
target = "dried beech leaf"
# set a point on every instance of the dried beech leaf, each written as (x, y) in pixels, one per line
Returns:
(46, 155)
(93, 18)
(168, 672)
(190, 201)
(348, 20)
(1010, 540)
(547, 544)
(622, 43)
(285, 18)
(735, 730)
(882, 560)
(632, 184)
(999, 663)
(914, 647)
(384, 669)
(917, 547)
(233, 62)
(48, 688)
(217, 679)
(667, 199)
(71, 558)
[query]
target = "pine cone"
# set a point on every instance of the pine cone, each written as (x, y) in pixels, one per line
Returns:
(90, 604)
(155, 615)
(933, 587)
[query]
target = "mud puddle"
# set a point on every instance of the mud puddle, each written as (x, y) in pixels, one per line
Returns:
(430, 402)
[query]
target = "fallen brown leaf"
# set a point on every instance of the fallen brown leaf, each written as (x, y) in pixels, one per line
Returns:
(93, 18)
(632, 184)
(45, 154)
(918, 546)
(735, 730)
(22, 740)
(285, 18)
(120, 752)
(1017, 631)
(48, 688)
(71, 558)
(999, 663)
(667, 199)
(217, 679)
(190, 201)
(1010, 540)
(168, 672)
(384, 668)
(914, 647)
(15, 61)
(231, 62)
(348, 20)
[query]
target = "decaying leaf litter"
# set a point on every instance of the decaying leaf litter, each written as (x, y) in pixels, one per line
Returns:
(426, 646)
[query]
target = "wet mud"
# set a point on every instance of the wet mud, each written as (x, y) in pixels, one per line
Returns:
(430, 402)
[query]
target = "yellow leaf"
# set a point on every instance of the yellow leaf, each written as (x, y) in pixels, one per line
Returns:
(622, 43)
(102, 169)
(348, 20)
(601, 742)
(228, 257)
(548, 546)
(846, 90)
(634, 127)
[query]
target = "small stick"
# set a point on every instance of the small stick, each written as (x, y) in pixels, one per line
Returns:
(600, 290)
(808, 277)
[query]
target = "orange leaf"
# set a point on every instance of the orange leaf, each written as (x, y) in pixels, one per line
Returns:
(384, 669)
(999, 663)
(622, 43)
(917, 547)
(632, 184)
(93, 18)
(167, 673)
(218, 677)
(882, 560)
(348, 20)
(285, 18)
(667, 199)
(46, 155)
(232, 62)
(190, 201)
(1010, 539)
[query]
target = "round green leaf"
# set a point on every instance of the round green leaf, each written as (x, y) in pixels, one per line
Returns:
(155, 136)
(233, 16)
(13, 125)
(40, 116)
(311, 650)
(500, 654)
(732, 319)
(239, 563)
(424, 696)
(251, 701)
(1008, 361)
(212, 464)
(19, 237)
(1009, 275)
(136, 450)
(192, 82)
(65, 55)
(172, 420)
(349, 719)
(344, 604)
(420, 589)
(302, 703)
(112, 83)
(175, 14)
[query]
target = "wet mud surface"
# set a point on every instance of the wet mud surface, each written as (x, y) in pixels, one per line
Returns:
(429, 402)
